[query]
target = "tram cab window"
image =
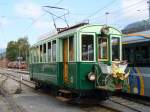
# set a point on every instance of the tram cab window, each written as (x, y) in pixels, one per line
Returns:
(44, 52)
(54, 51)
(49, 51)
(103, 48)
(87, 47)
(41, 53)
(71, 48)
(115, 48)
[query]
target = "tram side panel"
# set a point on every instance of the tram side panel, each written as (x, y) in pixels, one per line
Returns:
(45, 72)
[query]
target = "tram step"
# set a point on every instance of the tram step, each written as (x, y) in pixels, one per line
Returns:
(64, 91)
(102, 87)
(62, 98)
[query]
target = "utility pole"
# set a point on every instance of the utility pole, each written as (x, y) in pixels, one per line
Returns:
(107, 13)
(149, 8)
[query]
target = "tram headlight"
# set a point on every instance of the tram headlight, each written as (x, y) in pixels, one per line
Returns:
(91, 76)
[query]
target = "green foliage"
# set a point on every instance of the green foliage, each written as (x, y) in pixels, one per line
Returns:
(19, 48)
(12, 50)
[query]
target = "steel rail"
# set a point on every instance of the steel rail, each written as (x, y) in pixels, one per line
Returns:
(124, 105)
(107, 104)
(24, 82)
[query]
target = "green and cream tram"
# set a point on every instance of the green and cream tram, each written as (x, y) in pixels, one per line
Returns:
(81, 58)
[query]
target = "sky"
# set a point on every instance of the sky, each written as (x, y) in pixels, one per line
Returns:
(20, 18)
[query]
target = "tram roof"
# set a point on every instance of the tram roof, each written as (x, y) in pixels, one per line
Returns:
(134, 39)
(85, 28)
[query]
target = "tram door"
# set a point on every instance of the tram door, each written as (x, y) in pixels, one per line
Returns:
(65, 60)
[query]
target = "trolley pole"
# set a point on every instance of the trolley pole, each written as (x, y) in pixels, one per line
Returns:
(149, 8)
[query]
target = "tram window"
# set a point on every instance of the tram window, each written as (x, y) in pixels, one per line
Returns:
(103, 48)
(41, 53)
(44, 52)
(37, 53)
(49, 51)
(87, 47)
(71, 49)
(31, 57)
(115, 48)
(54, 51)
(34, 54)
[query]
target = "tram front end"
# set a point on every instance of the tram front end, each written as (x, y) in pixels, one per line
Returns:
(109, 73)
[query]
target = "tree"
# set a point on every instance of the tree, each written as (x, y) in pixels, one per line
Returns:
(23, 46)
(12, 50)
(18, 49)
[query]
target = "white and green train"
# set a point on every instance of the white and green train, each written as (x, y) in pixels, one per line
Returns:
(82, 59)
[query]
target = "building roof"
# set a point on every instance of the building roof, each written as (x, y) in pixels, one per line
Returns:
(134, 39)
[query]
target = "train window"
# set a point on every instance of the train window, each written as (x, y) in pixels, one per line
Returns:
(41, 53)
(87, 47)
(115, 48)
(103, 48)
(44, 52)
(54, 51)
(141, 55)
(49, 51)
(71, 48)
(126, 52)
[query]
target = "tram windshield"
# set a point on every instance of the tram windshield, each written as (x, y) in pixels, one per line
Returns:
(115, 48)
(103, 48)
(87, 47)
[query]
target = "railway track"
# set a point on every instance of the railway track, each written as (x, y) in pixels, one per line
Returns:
(25, 72)
(8, 101)
(23, 81)
(125, 105)
(139, 99)
(115, 103)
(19, 76)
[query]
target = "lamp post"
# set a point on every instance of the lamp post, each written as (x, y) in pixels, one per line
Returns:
(107, 13)
(19, 59)
(149, 8)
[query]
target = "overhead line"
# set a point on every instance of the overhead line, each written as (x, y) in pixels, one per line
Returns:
(128, 18)
(128, 6)
(39, 18)
(94, 13)
(118, 10)
(33, 22)
(58, 2)
(119, 21)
